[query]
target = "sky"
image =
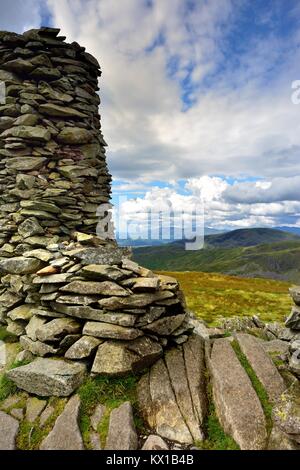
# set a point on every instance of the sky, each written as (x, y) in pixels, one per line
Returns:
(197, 101)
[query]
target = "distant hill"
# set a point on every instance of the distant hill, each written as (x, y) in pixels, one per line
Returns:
(249, 237)
(254, 252)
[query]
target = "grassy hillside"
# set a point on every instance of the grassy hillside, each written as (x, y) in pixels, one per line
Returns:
(280, 260)
(213, 296)
(249, 237)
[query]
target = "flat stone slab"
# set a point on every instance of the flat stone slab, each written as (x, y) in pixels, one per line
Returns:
(172, 396)
(66, 433)
(47, 377)
(110, 331)
(275, 346)
(237, 405)
(83, 348)
(119, 358)
(122, 433)
(9, 428)
(158, 405)
(95, 288)
(262, 365)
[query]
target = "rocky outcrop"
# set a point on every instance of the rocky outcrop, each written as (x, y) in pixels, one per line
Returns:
(172, 395)
(262, 365)
(122, 433)
(237, 405)
(9, 430)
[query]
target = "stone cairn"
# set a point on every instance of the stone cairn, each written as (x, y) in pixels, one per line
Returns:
(64, 291)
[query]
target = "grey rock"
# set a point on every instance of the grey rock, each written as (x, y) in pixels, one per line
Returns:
(32, 133)
(100, 288)
(47, 377)
(262, 365)
(52, 279)
(294, 346)
(83, 348)
(133, 301)
(293, 321)
(179, 382)
(294, 363)
(102, 255)
(95, 441)
(278, 440)
(17, 413)
(9, 430)
(122, 433)
(30, 227)
(154, 442)
(103, 272)
(84, 312)
(16, 328)
(194, 358)
(37, 347)
(110, 331)
(23, 312)
(75, 135)
(120, 358)
(165, 326)
(97, 416)
(26, 163)
(19, 265)
(58, 328)
(237, 405)
(275, 346)
(66, 433)
(295, 294)
(24, 356)
(46, 414)
(286, 414)
(51, 109)
(158, 405)
(144, 284)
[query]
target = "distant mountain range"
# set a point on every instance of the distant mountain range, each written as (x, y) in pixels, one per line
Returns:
(255, 252)
(149, 242)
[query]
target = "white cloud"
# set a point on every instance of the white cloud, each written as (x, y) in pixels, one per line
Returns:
(241, 126)
(211, 193)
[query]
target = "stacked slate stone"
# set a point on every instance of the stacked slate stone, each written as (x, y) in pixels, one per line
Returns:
(53, 173)
(94, 304)
(64, 291)
(293, 324)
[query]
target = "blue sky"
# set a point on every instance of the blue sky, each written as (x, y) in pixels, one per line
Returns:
(196, 100)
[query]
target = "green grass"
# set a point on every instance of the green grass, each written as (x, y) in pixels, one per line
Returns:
(216, 438)
(110, 392)
(257, 385)
(7, 337)
(214, 296)
(31, 435)
(7, 386)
